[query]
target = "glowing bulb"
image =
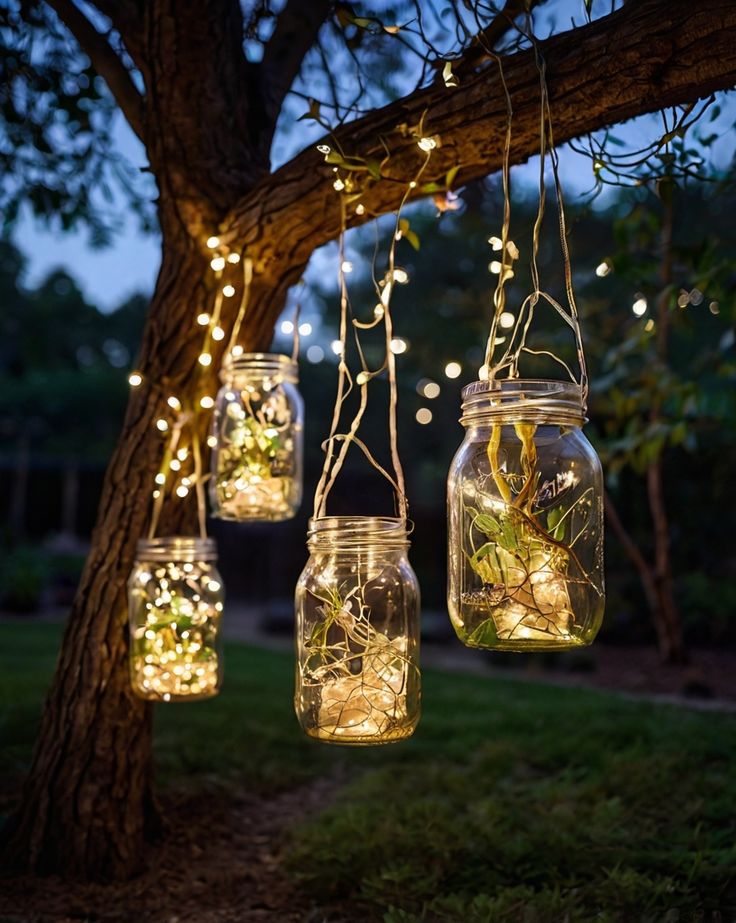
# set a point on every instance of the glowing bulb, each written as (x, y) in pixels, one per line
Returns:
(305, 329)
(649, 326)
(162, 425)
(427, 144)
(287, 326)
(218, 333)
(218, 263)
(175, 464)
(424, 415)
(336, 347)
(398, 346)
(338, 185)
(602, 269)
(213, 242)
(228, 291)
(362, 378)
(639, 307)
(206, 402)
(203, 319)
(379, 310)
(431, 390)
(156, 494)
(174, 403)
(323, 149)
(346, 266)
(507, 319)
(495, 242)
(315, 354)
(205, 359)
(401, 276)
(135, 379)
(483, 373)
(495, 267)
(236, 351)
(182, 454)
(360, 209)
(233, 258)
(160, 478)
(182, 491)
(453, 369)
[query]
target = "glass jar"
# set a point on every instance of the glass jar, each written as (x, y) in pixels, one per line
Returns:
(525, 510)
(257, 431)
(175, 601)
(357, 632)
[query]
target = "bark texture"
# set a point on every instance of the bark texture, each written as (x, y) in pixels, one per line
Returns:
(207, 119)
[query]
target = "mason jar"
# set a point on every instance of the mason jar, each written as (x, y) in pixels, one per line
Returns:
(357, 632)
(257, 435)
(175, 600)
(525, 511)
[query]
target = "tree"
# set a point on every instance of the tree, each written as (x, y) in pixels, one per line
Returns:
(207, 115)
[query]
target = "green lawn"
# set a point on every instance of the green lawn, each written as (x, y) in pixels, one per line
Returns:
(513, 802)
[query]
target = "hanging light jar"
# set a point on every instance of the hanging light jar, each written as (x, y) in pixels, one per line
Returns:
(175, 598)
(257, 437)
(357, 634)
(525, 509)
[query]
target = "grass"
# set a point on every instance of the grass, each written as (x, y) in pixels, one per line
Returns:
(513, 802)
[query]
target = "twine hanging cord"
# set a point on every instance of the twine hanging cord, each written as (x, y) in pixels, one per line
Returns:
(509, 360)
(334, 459)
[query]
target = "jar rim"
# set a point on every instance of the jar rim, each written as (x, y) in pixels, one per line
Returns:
(257, 363)
(187, 548)
(558, 401)
(352, 531)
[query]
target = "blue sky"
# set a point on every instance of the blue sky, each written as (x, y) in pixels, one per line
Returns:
(130, 265)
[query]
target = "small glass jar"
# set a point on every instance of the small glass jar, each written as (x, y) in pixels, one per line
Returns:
(525, 510)
(357, 633)
(258, 433)
(175, 601)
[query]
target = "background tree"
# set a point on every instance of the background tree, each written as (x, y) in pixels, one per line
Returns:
(203, 86)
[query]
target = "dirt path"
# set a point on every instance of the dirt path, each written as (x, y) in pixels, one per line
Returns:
(220, 862)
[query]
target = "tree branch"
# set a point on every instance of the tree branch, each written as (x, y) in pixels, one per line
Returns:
(637, 60)
(502, 23)
(633, 552)
(104, 60)
(295, 33)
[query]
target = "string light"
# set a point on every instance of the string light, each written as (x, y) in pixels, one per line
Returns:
(506, 319)
(286, 327)
(336, 347)
(182, 491)
(424, 416)
(211, 440)
(639, 307)
(347, 266)
(135, 379)
(218, 263)
(400, 275)
(453, 369)
(236, 351)
(206, 403)
(174, 403)
(182, 454)
(428, 388)
(175, 464)
(162, 425)
(305, 329)
(378, 311)
(398, 345)
(218, 333)
(160, 478)
(427, 144)
(205, 359)
(213, 242)
(602, 269)
(228, 291)
(233, 258)
(203, 319)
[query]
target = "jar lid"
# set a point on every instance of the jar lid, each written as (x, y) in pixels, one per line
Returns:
(539, 400)
(177, 548)
(260, 365)
(352, 532)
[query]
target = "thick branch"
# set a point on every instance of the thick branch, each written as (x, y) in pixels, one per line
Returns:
(295, 33)
(644, 57)
(105, 61)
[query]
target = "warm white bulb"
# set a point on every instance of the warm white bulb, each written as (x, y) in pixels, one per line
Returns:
(135, 379)
(218, 333)
(602, 269)
(162, 425)
(174, 403)
(362, 378)
(431, 390)
(233, 258)
(424, 415)
(287, 326)
(218, 263)
(507, 320)
(206, 402)
(228, 291)
(182, 491)
(639, 307)
(213, 242)
(336, 347)
(305, 329)
(212, 441)
(346, 266)
(236, 351)
(427, 144)
(205, 359)
(453, 369)
(182, 454)
(398, 346)
(160, 478)
(203, 319)
(379, 310)
(175, 464)
(401, 276)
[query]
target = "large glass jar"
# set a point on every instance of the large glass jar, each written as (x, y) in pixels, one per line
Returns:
(525, 509)
(257, 440)
(175, 599)
(357, 632)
